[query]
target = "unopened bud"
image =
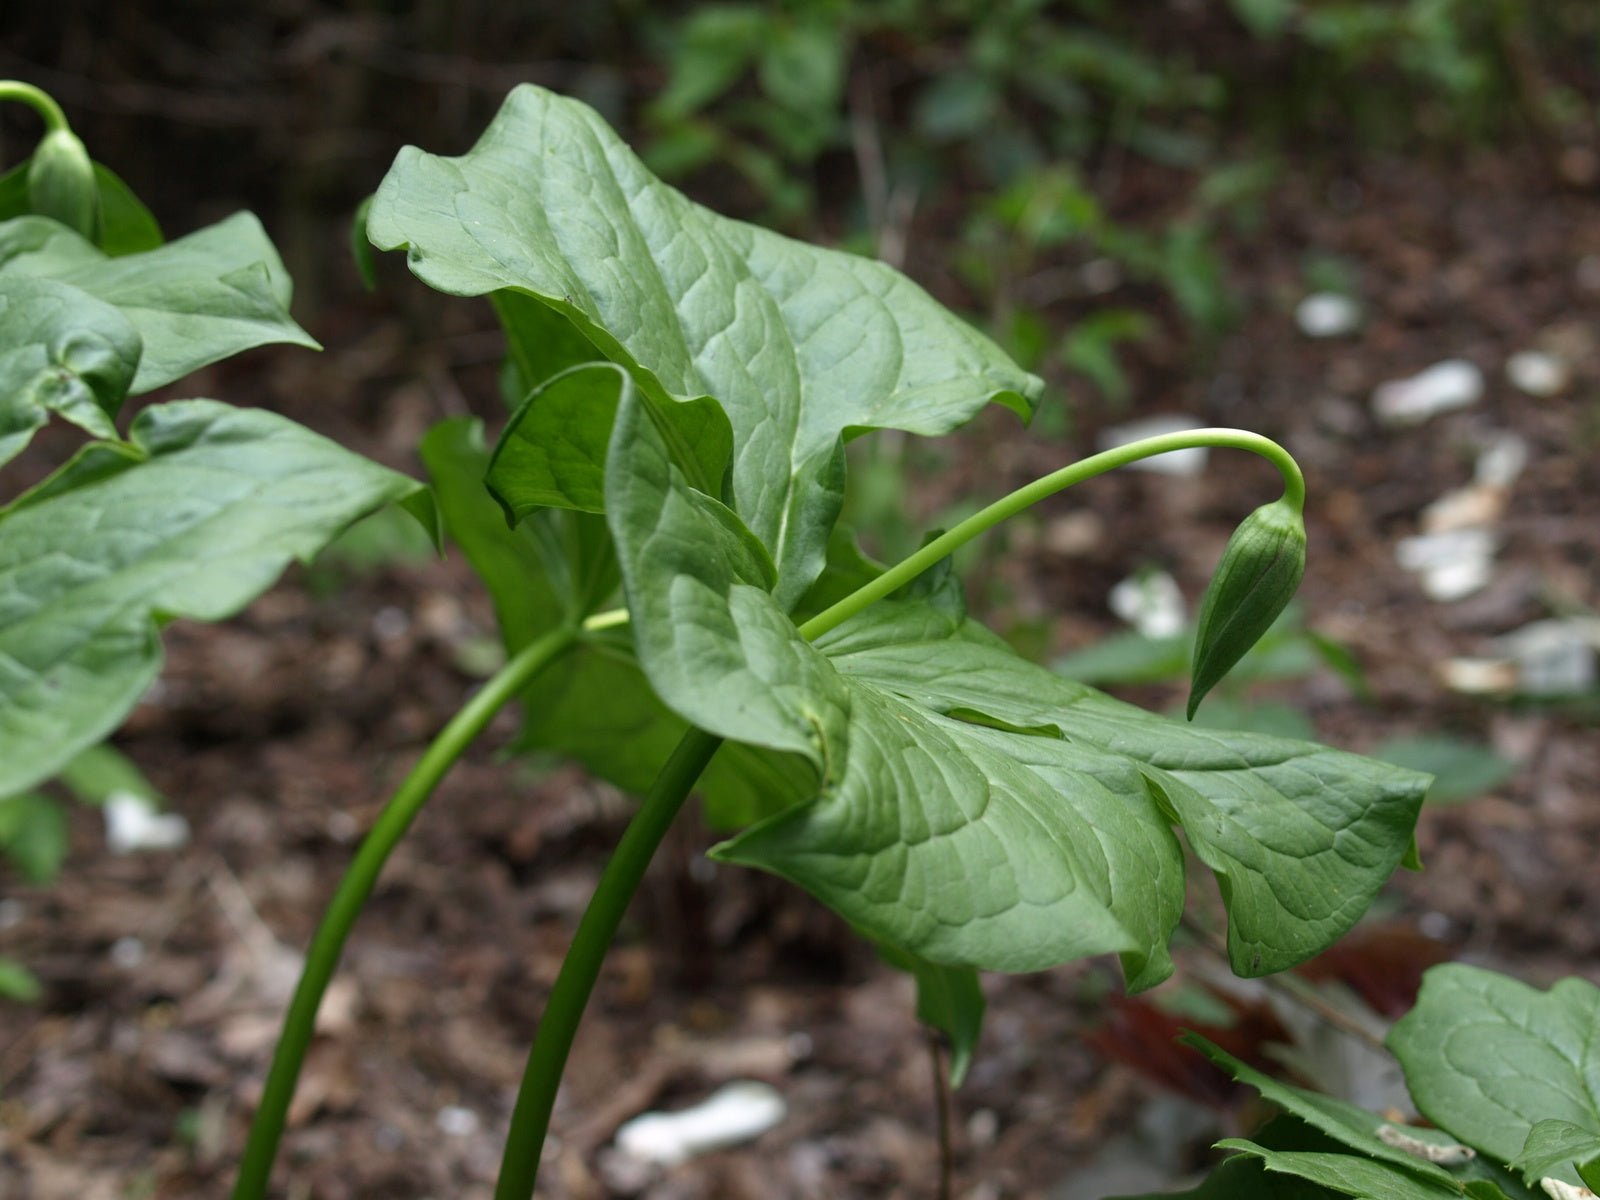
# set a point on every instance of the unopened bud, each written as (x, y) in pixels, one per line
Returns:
(1256, 579)
(61, 183)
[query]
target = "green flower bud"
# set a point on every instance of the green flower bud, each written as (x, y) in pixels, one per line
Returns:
(1256, 579)
(61, 182)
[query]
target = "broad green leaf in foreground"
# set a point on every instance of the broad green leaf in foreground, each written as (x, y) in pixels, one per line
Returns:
(968, 806)
(193, 301)
(61, 351)
(802, 346)
(1488, 1057)
(194, 517)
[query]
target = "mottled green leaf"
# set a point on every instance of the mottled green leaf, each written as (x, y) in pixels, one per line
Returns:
(801, 346)
(553, 450)
(968, 806)
(61, 351)
(194, 517)
(1488, 1057)
(193, 301)
(1554, 1147)
(594, 703)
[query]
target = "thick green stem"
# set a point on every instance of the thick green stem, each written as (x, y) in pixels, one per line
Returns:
(562, 1011)
(903, 572)
(41, 102)
(323, 956)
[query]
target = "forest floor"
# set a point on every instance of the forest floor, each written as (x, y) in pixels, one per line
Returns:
(278, 736)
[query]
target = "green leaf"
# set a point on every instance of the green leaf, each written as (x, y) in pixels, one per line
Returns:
(594, 703)
(801, 346)
(61, 351)
(1552, 1145)
(17, 983)
(33, 835)
(193, 518)
(950, 1000)
(1347, 1174)
(194, 301)
(553, 451)
(971, 807)
(715, 46)
(1349, 1126)
(126, 225)
(1461, 770)
(100, 772)
(1488, 1058)
(1242, 1177)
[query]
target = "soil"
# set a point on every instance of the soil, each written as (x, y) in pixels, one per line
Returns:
(278, 736)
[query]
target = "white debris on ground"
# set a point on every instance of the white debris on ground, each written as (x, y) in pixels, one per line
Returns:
(127, 952)
(1327, 315)
(1151, 602)
(1558, 1189)
(134, 823)
(1454, 553)
(1186, 462)
(1453, 564)
(457, 1121)
(1555, 657)
(1444, 387)
(1538, 374)
(736, 1113)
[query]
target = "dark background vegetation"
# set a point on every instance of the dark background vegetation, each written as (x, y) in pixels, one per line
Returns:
(1132, 197)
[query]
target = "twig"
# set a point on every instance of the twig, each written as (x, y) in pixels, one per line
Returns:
(1293, 988)
(941, 1103)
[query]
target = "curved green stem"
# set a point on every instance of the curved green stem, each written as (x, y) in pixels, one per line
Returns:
(903, 572)
(40, 101)
(323, 956)
(536, 1098)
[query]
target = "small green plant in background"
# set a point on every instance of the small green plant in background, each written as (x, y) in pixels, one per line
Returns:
(1506, 1075)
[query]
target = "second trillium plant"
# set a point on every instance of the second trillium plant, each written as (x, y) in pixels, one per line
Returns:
(658, 526)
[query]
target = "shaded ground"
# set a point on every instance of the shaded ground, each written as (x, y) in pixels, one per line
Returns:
(279, 735)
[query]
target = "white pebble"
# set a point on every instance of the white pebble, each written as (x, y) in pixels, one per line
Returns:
(737, 1113)
(1554, 658)
(457, 1121)
(1445, 386)
(127, 953)
(1537, 373)
(134, 823)
(1151, 603)
(1502, 461)
(1327, 315)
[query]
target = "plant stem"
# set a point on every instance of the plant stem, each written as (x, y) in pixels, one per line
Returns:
(41, 103)
(903, 572)
(530, 1120)
(941, 1107)
(323, 956)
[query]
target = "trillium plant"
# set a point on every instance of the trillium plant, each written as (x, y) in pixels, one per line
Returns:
(658, 525)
